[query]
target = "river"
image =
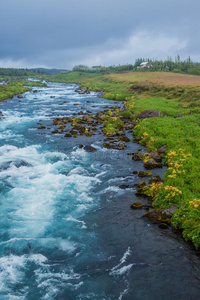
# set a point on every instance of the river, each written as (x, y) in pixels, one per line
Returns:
(66, 227)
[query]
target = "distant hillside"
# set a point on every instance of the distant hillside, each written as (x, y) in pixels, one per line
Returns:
(50, 71)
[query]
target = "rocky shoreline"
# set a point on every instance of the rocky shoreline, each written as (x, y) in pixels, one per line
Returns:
(84, 123)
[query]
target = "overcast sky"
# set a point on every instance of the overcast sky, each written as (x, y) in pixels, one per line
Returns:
(64, 33)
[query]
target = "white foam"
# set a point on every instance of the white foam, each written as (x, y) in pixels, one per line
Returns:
(82, 223)
(118, 270)
(123, 259)
(123, 293)
(122, 270)
(13, 267)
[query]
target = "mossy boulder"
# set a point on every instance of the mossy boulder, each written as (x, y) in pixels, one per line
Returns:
(144, 174)
(55, 131)
(136, 205)
(151, 164)
(155, 179)
(68, 135)
(154, 155)
(137, 156)
(142, 184)
(162, 149)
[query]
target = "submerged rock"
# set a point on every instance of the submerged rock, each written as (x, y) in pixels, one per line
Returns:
(144, 174)
(123, 186)
(138, 156)
(136, 205)
(163, 226)
(89, 148)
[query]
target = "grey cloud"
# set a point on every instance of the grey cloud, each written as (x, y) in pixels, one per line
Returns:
(57, 33)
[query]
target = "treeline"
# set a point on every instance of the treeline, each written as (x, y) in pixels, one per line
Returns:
(105, 70)
(7, 72)
(177, 66)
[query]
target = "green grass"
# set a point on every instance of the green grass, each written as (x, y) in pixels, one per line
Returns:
(182, 136)
(17, 87)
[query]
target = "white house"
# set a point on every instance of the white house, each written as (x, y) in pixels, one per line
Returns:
(145, 64)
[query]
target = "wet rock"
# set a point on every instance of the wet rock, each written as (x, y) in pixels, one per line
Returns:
(89, 148)
(168, 212)
(41, 127)
(144, 174)
(149, 114)
(135, 172)
(84, 91)
(121, 145)
(129, 126)
(19, 96)
(112, 134)
(155, 179)
(120, 132)
(151, 164)
(163, 226)
(154, 155)
(109, 146)
(68, 135)
(139, 191)
(52, 96)
(138, 156)
(162, 149)
(80, 146)
(147, 206)
(123, 186)
(35, 91)
(89, 121)
(55, 131)
(151, 215)
(124, 138)
(136, 205)
(142, 184)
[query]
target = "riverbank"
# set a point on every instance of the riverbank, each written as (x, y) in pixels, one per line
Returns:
(176, 127)
(17, 87)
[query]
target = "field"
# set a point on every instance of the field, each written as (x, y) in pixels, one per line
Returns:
(166, 78)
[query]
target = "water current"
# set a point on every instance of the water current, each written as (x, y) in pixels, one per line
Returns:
(66, 227)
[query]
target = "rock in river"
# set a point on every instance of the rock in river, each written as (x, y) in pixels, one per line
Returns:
(89, 148)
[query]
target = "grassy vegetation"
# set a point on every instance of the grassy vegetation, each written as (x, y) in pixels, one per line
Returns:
(17, 87)
(172, 94)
